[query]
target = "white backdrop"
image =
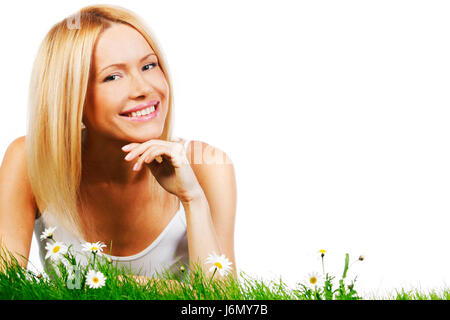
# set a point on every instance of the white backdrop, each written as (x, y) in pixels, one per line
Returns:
(335, 114)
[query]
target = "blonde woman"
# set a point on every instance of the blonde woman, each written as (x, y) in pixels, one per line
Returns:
(99, 162)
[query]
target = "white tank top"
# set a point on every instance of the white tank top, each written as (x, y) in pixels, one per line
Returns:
(165, 252)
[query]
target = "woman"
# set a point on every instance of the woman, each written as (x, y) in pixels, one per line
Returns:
(99, 161)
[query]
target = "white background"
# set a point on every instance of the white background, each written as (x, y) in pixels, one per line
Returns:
(335, 114)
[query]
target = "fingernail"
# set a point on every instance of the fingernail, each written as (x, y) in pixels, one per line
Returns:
(128, 157)
(125, 148)
(135, 168)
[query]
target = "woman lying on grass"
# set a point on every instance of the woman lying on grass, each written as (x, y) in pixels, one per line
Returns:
(99, 163)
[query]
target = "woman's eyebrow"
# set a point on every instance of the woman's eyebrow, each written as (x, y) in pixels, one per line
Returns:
(121, 64)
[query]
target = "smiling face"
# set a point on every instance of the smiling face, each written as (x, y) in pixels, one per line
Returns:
(125, 75)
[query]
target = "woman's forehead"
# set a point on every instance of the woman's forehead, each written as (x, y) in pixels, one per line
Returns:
(120, 44)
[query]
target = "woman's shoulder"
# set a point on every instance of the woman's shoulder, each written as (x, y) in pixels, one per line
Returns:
(202, 152)
(18, 144)
(16, 152)
(14, 172)
(15, 157)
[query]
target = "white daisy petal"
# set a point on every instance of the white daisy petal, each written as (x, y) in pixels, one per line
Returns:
(219, 263)
(95, 279)
(96, 247)
(47, 233)
(314, 280)
(55, 250)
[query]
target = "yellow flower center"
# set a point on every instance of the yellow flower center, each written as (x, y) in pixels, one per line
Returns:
(95, 280)
(94, 249)
(322, 251)
(218, 265)
(55, 249)
(313, 280)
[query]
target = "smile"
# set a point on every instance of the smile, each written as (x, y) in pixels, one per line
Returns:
(143, 114)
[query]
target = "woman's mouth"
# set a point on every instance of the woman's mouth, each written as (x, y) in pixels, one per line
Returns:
(142, 114)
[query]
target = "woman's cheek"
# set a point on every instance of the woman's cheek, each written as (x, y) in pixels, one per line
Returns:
(109, 94)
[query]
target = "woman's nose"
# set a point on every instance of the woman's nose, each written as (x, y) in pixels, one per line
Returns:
(140, 86)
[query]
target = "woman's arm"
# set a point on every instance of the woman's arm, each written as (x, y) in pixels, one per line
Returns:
(211, 216)
(17, 205)
(206, 189)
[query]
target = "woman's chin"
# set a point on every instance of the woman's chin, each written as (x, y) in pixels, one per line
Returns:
(140, 138)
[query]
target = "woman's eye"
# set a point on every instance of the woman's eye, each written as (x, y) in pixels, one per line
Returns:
(116, 75)
(151, 64)
(106, 79)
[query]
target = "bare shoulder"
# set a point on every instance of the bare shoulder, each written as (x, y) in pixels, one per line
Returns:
(215, 173)
(15, 154)
(18, 144)
(17, 203)
(14, 170)
(201, 153)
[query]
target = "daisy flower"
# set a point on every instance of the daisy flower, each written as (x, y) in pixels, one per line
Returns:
(314, 279)
(220, 263)
(55, 250)
(95, 279)
(48, 233)
(94, 247)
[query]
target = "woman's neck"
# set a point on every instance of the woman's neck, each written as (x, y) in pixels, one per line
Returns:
(103, 162)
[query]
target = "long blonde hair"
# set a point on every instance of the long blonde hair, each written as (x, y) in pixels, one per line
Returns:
(57, 95)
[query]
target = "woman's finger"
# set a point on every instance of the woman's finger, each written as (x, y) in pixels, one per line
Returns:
(130, 146)
(149, 155)
(138, 150)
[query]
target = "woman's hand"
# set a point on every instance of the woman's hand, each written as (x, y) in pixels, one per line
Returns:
(169, 165)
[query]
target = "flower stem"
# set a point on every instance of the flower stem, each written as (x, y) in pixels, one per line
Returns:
(93, 263)
(215, 269)
(323, 267)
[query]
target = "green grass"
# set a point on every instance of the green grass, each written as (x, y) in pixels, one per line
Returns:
(414, 294)
(19, 283)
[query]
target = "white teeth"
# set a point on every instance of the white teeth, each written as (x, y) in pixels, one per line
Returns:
(143, 112)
